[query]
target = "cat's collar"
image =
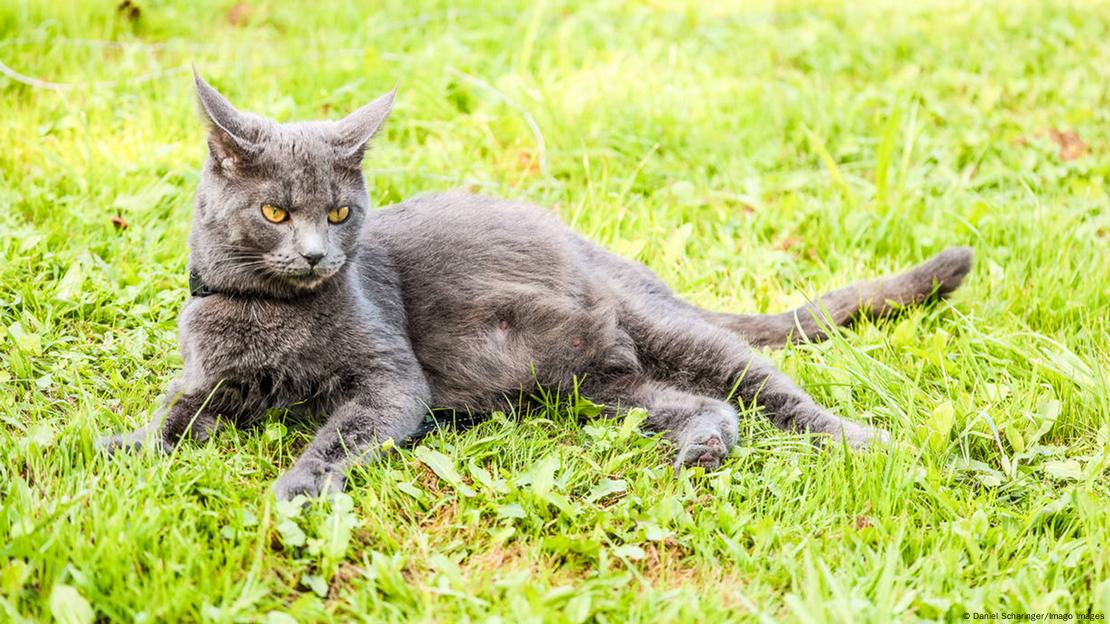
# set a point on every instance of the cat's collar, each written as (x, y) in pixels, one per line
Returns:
(198, 288)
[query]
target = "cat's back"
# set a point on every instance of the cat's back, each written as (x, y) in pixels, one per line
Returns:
(443, 226)
(456, 246)
(460, 247)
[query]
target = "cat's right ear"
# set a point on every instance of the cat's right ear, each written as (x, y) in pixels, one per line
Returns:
(232, 135)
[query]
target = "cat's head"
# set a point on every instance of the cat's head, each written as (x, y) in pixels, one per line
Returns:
(279, 206)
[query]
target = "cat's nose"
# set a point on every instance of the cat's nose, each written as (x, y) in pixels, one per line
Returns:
(312, 257)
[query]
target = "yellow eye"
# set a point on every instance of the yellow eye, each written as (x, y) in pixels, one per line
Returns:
(339, 215)
(274, 214)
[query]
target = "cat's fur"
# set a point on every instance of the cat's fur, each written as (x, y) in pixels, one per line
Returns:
(452, 301)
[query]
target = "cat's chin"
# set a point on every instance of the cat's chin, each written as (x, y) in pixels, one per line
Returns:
(310, 280)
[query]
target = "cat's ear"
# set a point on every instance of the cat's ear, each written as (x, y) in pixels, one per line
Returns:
(353, 132)
(232, 135)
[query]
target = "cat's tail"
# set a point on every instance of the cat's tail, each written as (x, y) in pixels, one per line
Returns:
(933, 279)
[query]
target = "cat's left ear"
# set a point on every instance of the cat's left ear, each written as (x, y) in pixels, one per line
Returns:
(353, 132)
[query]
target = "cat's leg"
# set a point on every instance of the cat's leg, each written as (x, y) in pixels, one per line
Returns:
(685, 350)
(703, 429)
(181, 416)
(380, 408)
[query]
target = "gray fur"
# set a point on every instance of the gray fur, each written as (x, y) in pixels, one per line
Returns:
(453, 301)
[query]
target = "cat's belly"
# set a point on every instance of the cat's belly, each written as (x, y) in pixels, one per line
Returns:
(499, 298)
(488, 350)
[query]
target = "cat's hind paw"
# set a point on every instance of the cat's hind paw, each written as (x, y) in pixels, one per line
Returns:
(707, 452)
(708, 438)
(860, 437)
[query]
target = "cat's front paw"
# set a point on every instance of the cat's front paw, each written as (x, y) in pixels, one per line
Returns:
(126, 442)
(311, 481)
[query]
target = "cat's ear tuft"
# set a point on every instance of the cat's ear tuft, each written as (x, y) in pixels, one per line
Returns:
(232, 135)
(353, 132)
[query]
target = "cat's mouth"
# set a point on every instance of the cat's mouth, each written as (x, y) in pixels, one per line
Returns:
(302, 275)
(310, 277)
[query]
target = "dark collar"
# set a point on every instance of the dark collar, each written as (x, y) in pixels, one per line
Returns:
(198, 288)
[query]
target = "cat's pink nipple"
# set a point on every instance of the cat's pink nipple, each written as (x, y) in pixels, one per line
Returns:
(503, 324)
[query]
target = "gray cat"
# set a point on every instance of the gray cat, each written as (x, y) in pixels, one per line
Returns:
(304, 296)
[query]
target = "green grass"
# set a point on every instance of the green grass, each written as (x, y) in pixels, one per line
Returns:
(753, 154)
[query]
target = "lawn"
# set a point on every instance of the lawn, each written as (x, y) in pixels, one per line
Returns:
(753, 154)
